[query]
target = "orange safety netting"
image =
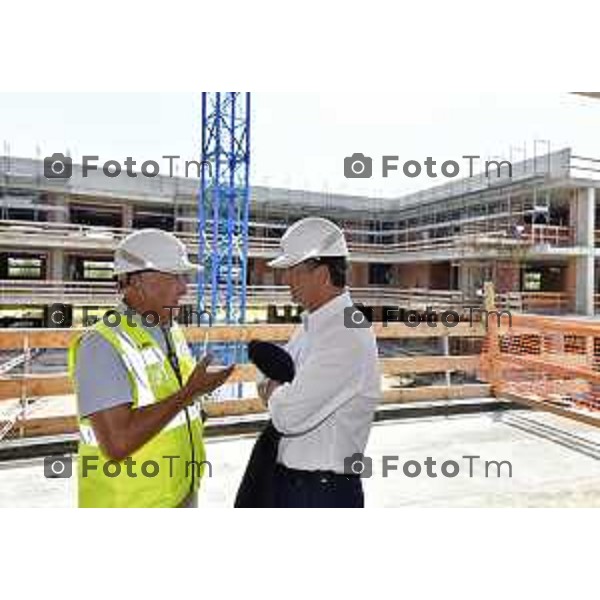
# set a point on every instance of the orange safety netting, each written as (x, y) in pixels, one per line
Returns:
(550, 361)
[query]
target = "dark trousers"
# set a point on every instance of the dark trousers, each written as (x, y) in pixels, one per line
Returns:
(316, 489)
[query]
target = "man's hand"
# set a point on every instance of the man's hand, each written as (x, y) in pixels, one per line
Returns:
(202, 381)
(123, 430)
(266, 388)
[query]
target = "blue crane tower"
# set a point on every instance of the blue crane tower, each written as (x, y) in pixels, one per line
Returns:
(223, 206)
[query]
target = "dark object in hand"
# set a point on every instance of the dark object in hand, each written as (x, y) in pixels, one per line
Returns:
(257, 486)
(272, 361)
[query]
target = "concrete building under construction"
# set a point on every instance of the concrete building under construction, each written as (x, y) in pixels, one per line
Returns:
(530, 229)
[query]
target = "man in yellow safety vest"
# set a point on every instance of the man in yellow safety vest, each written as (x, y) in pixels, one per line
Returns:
(136, 383)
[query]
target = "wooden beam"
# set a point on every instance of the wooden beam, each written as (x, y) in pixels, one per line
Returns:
(541, 325)
(580, 417)
(38, 338)
(68, 424)
(11, 339)
(429, 364)
(59, 384)
(423, 331)
(47, 426)
(436, 392)
(35, 386)
(240, 333)
(539, 365)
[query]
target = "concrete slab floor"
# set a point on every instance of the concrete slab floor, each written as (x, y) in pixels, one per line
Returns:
(555, 463)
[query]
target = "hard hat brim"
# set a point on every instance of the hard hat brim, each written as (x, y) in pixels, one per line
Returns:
(187, 267)
(183, 269)
(285, 262)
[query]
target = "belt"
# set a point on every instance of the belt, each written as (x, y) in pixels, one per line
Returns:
(322, 476)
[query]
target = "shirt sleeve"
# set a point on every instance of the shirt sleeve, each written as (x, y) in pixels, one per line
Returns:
(329, 377)
(101, 380)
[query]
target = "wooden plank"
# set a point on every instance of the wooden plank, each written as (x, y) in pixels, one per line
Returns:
(35, 385)
(46, 426)
(241, 333)
(68, 424)
(436, 392)
(423, 331)
(11, 339)
(59, 384)
(580, 417)
(234, 408)
(542, 325)
(38, 338)
(429, 364)
(540, 365)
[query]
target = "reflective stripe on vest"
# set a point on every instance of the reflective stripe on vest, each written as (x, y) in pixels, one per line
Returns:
(89, 437)
(152, 380)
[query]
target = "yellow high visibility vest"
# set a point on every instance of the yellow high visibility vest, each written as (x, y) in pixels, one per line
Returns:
(169, 466)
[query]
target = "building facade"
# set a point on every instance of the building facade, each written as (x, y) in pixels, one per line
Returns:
(530, 229)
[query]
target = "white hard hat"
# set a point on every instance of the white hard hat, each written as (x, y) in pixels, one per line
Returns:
(154, 250)
(310, 238)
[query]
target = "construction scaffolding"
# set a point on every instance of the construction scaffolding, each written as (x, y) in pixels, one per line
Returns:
(223, 205)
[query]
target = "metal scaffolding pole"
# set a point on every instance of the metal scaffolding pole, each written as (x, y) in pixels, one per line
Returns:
(223, 206)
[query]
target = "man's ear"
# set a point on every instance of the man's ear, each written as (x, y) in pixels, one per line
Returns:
(324, 276)
(137, 283)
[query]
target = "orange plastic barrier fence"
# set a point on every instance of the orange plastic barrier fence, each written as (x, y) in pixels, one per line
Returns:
(551, 363)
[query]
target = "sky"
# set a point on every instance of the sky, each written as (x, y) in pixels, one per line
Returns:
(300, 140)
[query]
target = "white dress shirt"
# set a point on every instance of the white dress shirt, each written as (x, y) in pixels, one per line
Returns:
(326, 413)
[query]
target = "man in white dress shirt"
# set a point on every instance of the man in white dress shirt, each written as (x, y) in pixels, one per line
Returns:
(326, 413)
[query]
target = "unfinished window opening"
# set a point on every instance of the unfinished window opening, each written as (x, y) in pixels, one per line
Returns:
(22, 266)
(96, 215)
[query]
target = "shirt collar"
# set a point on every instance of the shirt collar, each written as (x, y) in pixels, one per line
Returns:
(315, 320)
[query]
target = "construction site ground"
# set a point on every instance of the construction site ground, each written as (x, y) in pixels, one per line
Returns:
(555, 463)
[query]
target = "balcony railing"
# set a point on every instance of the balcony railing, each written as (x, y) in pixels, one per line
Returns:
(548, 303)
(18, 234)
(31, 292)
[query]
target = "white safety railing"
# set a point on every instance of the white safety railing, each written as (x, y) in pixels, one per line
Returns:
(44, 234)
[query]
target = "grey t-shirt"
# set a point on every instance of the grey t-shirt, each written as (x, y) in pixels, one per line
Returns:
(100, 375)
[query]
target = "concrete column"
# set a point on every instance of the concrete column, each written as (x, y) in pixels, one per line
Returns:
(470, 278)
(464, 279)
(585, 232)
(57, 216)
(127, 216)
(55, 269)
(187, 226)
